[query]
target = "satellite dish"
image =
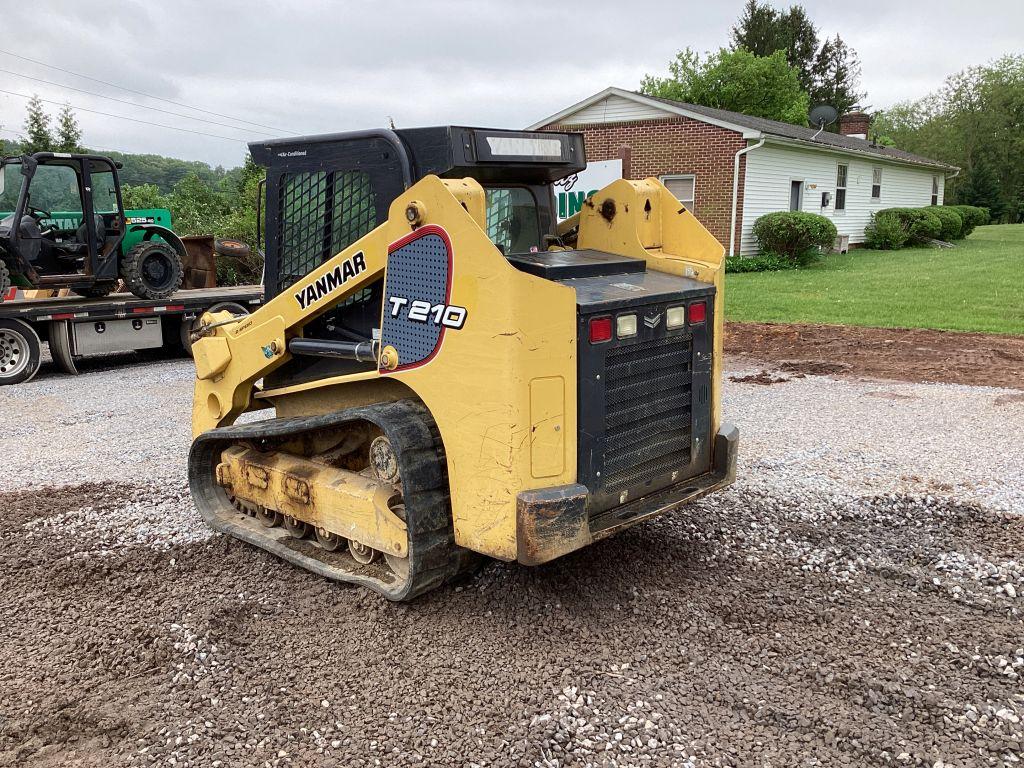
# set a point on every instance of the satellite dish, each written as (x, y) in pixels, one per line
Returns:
(823, 115)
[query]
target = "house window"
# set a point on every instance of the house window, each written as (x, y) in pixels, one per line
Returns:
(841, 172)
(683, 186)
(935, 190)
(876, 183)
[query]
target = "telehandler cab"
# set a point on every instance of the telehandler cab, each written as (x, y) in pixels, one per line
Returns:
(445, 370)
(68, 230)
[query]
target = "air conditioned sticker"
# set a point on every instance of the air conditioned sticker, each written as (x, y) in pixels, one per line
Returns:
(332, 281)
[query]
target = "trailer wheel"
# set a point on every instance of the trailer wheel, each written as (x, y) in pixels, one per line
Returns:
(230, 247)
(97, 290)
(19, 352)
(152, 270)
(189, 326)
(60, 346)
(5, 281)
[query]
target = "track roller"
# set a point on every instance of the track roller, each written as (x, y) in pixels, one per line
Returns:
(361, 553)
(296, 528)
(269, 518)
(327, 540)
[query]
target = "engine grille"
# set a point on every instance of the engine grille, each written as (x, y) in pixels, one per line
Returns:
(647, 411)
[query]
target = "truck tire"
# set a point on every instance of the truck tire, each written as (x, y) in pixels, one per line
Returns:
(5, 281)
(97, 290)
(229, 247)
(152, 270)
(188, 326)
(19, 352)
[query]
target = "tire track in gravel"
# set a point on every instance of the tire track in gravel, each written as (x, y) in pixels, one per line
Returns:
(732, 633)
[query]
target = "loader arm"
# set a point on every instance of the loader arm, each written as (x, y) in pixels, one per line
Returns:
(235, 356)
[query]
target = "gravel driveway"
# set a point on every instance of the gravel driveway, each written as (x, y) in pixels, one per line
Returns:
(855, 599)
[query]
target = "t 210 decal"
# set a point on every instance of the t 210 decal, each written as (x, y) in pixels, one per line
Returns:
(444, 315)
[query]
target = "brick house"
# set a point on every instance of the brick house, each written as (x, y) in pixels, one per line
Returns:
(731, 168)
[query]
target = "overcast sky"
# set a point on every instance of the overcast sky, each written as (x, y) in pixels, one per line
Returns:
(315, 67)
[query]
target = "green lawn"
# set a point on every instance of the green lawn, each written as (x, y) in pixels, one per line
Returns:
(977, 286)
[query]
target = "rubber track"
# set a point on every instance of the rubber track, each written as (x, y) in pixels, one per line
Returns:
(434, 557)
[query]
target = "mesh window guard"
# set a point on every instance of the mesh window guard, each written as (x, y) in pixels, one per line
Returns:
(321, 213)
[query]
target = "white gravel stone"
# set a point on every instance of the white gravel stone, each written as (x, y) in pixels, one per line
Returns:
(815, 452)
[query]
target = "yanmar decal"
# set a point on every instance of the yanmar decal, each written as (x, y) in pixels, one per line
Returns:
(332, 281)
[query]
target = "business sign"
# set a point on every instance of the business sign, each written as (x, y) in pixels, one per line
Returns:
(572, 191)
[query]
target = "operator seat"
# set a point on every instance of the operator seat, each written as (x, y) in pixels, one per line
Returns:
(30, 238)
(82, 233)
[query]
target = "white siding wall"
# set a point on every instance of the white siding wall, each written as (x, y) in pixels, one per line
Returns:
(772, 169)
(614, 109)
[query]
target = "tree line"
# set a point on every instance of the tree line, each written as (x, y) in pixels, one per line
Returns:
(975, 121)
(775, 67)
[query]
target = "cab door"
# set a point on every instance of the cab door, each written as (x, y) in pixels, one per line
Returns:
(104, 214)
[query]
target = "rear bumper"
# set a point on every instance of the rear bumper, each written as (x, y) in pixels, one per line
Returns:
(551, 522)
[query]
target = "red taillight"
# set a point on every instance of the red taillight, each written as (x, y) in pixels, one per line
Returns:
(697, 312)
(600, 329)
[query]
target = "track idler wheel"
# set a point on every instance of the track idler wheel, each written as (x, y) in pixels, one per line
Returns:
(383, 460)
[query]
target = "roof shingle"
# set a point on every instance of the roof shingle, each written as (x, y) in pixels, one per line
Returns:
(800, 133)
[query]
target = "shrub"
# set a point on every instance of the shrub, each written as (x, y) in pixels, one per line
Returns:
(951, 219)
(795, 235)
(972, 215)
(885, 233)
(919, 224)
(766, 262)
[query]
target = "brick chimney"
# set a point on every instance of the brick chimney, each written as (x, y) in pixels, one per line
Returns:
(855, 123)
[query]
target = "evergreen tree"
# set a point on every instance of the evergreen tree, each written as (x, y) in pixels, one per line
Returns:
(69, 134)
(762, 31)
(757, 30)
(830, 73)
(38, 137)
(836, 75)
(800, 41)
(983, 188)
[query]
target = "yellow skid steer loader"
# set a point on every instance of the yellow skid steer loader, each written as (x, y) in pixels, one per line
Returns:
(442, 369)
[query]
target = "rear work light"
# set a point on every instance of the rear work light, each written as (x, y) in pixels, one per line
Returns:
(698, 312)
(625, 326)
(600, 329)
(675, 317)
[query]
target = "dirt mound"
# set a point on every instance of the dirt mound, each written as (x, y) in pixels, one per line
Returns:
(887, 353)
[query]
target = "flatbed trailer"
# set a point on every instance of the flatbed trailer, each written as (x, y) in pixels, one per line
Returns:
(76, 327)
